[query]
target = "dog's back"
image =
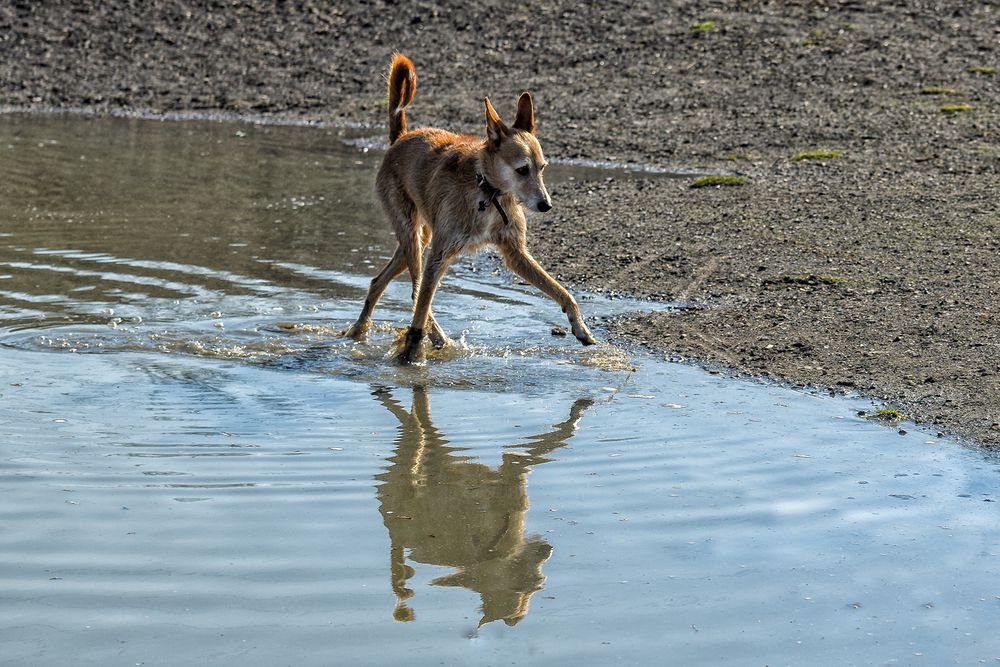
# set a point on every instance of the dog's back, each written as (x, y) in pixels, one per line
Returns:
(433, 169)
(428, 167)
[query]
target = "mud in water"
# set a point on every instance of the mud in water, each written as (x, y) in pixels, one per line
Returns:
(194, 464)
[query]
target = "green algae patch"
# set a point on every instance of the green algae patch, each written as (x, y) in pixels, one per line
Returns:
(938, 90)
(817, 37)
(811, 280)
(981, 70)
(818, 154)
(891, 415)
(706, 181)
(704, 26)
(956, 108)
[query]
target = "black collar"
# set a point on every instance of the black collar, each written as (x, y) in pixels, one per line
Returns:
(492, 195)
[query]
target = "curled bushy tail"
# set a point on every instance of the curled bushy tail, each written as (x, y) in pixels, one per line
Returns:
(402, 85)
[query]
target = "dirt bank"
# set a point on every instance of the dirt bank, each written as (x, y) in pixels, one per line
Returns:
(873, 270)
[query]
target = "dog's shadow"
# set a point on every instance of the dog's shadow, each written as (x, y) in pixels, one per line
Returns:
(441, 508)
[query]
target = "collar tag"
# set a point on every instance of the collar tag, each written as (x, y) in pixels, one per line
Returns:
(492, 193)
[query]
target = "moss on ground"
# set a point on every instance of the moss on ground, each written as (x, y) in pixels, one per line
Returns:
(706, 181)
(938, 90)
(888, 415)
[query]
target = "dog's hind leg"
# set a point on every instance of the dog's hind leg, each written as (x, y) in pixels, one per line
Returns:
(434, 332)
(433, 270)
(395, 266)
(401, 212)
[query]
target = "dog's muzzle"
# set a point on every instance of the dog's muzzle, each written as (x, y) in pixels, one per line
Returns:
(544, 206)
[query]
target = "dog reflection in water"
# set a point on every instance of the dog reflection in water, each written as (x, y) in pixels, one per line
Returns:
(448, 510)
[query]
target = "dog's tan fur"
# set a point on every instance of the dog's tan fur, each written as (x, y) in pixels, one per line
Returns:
(427, 187)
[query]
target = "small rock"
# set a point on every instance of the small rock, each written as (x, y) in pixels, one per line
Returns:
(558, 331)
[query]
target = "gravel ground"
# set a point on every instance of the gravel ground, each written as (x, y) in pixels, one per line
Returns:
(874, 269)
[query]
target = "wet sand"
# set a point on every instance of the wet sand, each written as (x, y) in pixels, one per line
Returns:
(872, 271)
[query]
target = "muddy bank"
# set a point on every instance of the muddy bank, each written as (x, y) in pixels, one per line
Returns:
(859, 291)
(872, 269)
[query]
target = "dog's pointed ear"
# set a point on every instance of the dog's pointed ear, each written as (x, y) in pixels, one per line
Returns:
(525, 119)
(495, 129)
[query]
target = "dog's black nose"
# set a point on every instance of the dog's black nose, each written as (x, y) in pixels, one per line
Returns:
(544, 206)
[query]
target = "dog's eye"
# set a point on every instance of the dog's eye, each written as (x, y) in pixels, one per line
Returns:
(523, 170)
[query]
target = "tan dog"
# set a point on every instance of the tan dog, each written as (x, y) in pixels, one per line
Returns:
(455, 193)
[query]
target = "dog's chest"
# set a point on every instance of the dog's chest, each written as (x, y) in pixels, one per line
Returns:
(482, 225)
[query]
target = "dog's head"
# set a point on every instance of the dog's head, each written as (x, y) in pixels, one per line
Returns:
(515, 160)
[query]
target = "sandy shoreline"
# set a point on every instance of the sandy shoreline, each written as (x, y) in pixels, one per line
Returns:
(873, 271)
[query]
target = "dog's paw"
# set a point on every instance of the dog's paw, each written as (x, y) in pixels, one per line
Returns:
(357, 331)
(583, 334)
(411, 347)
(438, 340)
(408, 356)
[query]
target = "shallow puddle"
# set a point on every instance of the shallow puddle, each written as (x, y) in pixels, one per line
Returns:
(193, 464)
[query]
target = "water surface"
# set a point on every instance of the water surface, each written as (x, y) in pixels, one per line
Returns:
(195, 468)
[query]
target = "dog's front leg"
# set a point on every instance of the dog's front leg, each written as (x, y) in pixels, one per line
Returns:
(434, 268)
(517, 258)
